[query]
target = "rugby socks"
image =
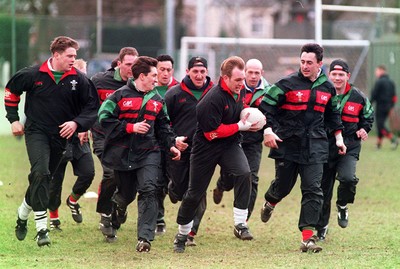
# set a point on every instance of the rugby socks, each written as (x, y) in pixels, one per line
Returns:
(73, 198)
(185, 229)
(54, 214)
(24, 210)
(307, 233)
(239, 215)
(192, 233)
(40, 220)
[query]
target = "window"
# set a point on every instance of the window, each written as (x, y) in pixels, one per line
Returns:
(257, 26)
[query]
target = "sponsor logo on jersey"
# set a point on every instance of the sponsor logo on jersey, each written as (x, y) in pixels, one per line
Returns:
(299, 96)
(74, 83)
(213, 135)
(127, 103)
(155, 106)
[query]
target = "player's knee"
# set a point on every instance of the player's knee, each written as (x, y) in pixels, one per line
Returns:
(348, 179)
(119, 200)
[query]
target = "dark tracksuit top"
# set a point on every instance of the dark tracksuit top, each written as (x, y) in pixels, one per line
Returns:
(217, 116)
(106, 84)
(384, 95)
(253, 99)
(181, 105)
(125, 151)
(356, 113)
(47, 105)
(216, 142)
(299, 111)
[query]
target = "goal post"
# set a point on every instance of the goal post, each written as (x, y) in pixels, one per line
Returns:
(275, 54)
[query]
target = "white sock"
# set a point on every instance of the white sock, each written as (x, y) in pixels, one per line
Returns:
(40, 220)
(185, 229)
(239, 215)
(24, 210)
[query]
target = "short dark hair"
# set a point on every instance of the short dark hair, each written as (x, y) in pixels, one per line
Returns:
(314, 48)
(62, 43)
(230, 63)
(143, 65)
(165, 58)
(127, 51)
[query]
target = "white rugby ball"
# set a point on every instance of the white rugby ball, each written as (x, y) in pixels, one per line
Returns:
(255, 116)
(90, 195)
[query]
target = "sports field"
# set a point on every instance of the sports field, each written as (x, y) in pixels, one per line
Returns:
(372, 239)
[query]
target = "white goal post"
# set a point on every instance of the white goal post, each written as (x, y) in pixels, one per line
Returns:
(275, 54)
(355, 51)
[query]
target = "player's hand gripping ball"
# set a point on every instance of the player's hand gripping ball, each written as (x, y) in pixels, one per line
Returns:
(255, 116)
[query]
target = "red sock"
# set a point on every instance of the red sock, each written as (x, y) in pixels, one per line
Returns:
(273, 204)
(54, 214)
(192, 233)
(99, 190)
(307, 234)
(74, 198)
